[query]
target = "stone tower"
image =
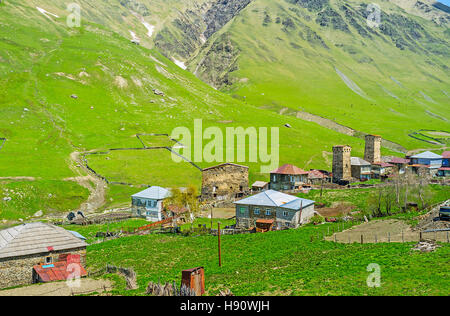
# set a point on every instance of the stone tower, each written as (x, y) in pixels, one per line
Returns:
(342, 167)
(373, 148)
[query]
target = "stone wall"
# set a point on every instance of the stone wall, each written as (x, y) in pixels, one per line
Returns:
(225, 182)
(19, 270)
(372, 151)
(342, 167)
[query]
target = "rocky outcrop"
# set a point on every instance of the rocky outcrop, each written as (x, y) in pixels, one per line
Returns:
(219, 61)
(222, 12)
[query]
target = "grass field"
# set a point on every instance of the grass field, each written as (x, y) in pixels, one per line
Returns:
(277, 263)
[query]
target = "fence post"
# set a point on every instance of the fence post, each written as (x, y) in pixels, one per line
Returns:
(447, 237)
(420, 236)
(362, 239)
(389, 236)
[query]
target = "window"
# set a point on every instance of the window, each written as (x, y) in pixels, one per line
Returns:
(48, 260)
(256, 211)
(285, 214)
(268, 212)
(242, 210)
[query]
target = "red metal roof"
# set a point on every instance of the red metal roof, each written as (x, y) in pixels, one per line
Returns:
(265, 221)
(290, 170)
(397, 160)
(58, 271)
(314, 174)
(444, 169)
(446, 154)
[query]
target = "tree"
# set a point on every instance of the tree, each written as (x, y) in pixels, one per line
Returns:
(187, 199)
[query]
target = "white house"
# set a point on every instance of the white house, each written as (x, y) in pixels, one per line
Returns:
(149, 203)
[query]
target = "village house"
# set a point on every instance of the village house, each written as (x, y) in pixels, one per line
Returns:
(400, 164)
(288, 177)
(317, 177)
(427, 162)
(227, 181)
(361, 169)
(29, 252)
(381, 169)
(149, 204)
(260, 186)
(271, 209)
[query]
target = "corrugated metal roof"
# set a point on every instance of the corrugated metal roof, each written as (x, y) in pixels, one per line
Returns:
(35, 238)
(356, 161)
(290, 170)
(397, 160)
(276, 199)
(427, 155)
(58, 271)
(259, 184)
(446, 154)
(154, 193)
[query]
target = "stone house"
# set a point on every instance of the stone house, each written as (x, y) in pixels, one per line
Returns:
(273, 208)
(361, 169)
(317, 177)
(227, 181)
(400, 164)
(149, 204)
(35, 244)
(381, 169)
(288, 177)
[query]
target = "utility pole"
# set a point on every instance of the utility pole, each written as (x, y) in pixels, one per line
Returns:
(220, 246)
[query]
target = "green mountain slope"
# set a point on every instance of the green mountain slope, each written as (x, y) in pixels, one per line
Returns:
(69, 90)
(322, 57)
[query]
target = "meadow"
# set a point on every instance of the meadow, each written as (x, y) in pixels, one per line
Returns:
(276, 263)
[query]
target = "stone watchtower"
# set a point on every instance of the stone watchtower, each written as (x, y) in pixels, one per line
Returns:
(342, 167)
(373, 148)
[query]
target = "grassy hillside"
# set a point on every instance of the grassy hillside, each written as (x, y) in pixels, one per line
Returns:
(321, 57)
(276, 263)
(66, 90)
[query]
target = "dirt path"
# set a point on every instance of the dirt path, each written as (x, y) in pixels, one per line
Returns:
(60, 289)
(96, 186)
(18, 178)
(384, 231)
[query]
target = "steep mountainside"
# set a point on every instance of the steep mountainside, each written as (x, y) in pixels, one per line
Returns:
(324, 57)
(65, 91)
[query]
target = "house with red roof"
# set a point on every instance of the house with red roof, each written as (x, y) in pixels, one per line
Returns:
(446, 159)
(288, 177)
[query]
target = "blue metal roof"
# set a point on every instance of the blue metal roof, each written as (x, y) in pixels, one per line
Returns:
(78, 235)
(154, 193)
(427, 155)
(276, 199)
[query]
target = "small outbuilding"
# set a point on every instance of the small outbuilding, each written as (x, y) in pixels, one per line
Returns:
(26, 246)
(260, 186)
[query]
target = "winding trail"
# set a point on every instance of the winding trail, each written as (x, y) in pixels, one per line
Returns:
(96, 186)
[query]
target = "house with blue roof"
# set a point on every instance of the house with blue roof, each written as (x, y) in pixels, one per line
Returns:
(273, 210)
(429, 160)
(149, 203)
